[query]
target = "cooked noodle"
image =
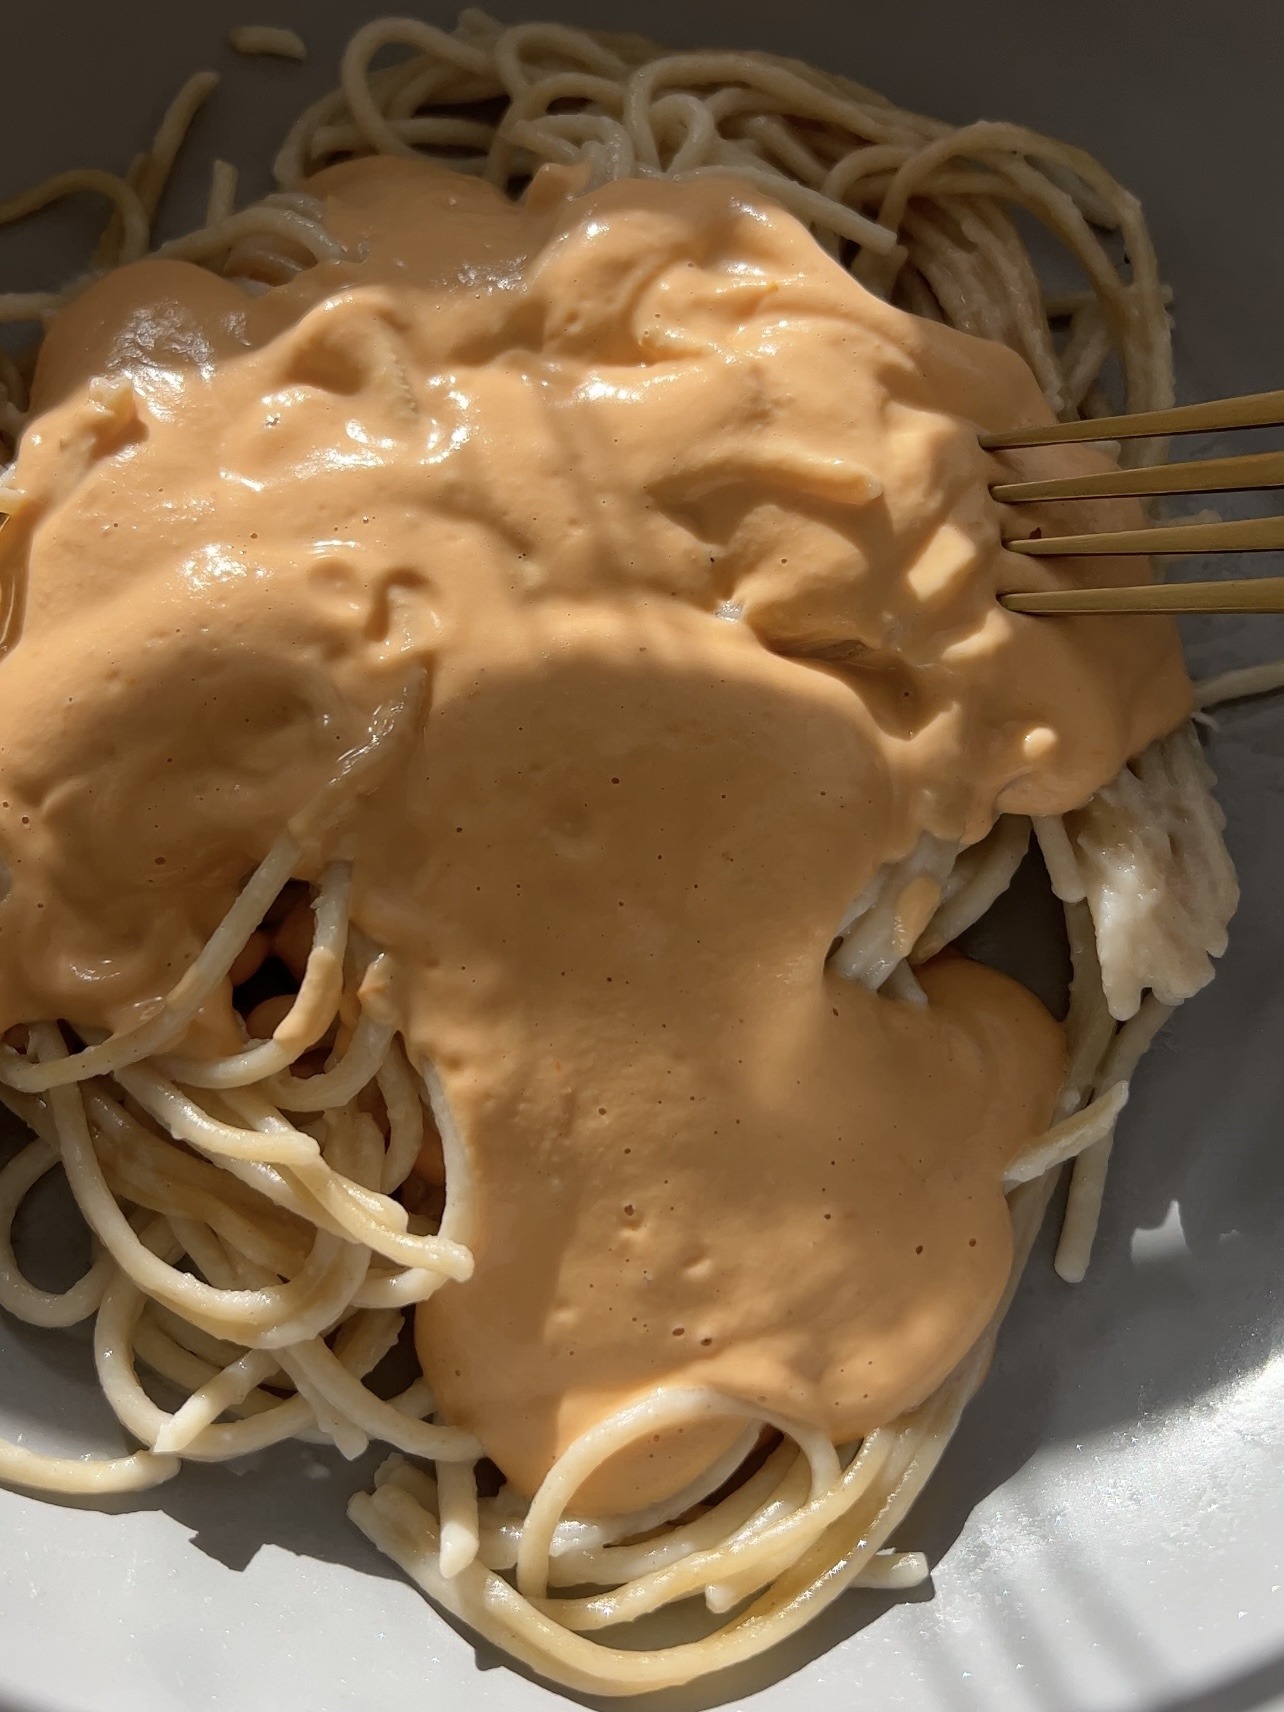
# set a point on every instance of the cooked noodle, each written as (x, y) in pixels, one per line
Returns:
(252, 1252)
(267, 39)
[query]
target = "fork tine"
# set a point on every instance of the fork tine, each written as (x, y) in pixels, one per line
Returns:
(1202, 475)
(1256, 410)
(1242, 535)
(1249, 594)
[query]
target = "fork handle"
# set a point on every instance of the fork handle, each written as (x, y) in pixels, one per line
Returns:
(1243, 594)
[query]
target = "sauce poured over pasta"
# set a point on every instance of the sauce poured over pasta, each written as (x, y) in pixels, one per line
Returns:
(645, 565)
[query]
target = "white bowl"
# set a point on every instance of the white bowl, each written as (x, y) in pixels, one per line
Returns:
(1107, 1531)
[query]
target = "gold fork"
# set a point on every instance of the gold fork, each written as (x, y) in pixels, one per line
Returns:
(1207, 475)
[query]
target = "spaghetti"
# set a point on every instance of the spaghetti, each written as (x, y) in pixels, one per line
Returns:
(257, 1244)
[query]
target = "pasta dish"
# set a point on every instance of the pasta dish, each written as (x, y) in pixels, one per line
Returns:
(507, 717)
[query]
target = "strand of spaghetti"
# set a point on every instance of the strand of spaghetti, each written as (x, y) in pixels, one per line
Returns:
(220, 202)
(942, 232)
(1089, 1025)
(363, 1340)
(284, 1192)
(180, 1004)
(317, 1366)
(300, 202)
(750, 1559)
(414, 91)
(294, 157)
(748, 1578)
(350, 1440)
(357, 1068)
(1059, 858)
(187, 1121)
(1244, 681)
(434, 1254)
(568, 138)
(357, 1213)
(18, 306)
(135, 224)
(903, 984)
(208, 1254)
(83, 1477)
(458, 1219)
(578, 1545)
(40, 1307)
(588, 1534)
(780, 1485)
(457, 1511)
(531, 104)
(314, 1008)
(914, 293)
(114, 1353)
(811, 206)
(768, 135)
(13, 383)
(166, 1356)
(893, 1572)
(107, 251)
(664, 1407)
(865, 167)
(402, 1289)
(1088, 1180)
(699, 134)
(375, 1334)
(506, 1513)
(171, 133)
(405, 1119)
(419, 131)
(1083, 354)
(1067, 1139)
(228, 1388)
(989, 229)
(256, 221)
(951, 273)
(1153, 833)
(417, 1399)
(385, 32)
(788, 1499)
(543, 39)
(973, 887)
(874, 942)
(212, 1352)
(267, 39)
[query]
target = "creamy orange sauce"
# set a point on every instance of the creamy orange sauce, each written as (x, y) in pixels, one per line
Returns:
(667, 552)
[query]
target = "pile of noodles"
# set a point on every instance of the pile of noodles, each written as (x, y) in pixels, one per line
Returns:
(256, 1247)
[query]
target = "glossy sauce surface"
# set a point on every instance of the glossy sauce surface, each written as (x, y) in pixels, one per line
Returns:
(661, 552)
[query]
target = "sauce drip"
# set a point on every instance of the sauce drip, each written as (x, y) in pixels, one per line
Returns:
(666, 551)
